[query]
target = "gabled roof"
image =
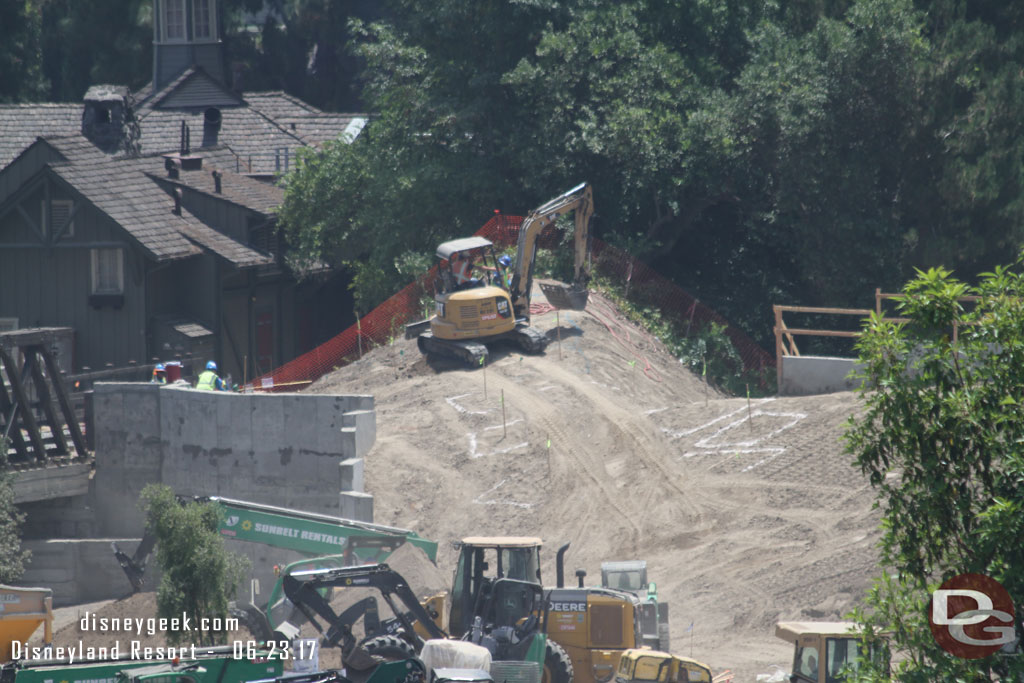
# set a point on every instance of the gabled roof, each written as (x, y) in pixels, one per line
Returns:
(21, 124)
(132, 193)
(193, 88)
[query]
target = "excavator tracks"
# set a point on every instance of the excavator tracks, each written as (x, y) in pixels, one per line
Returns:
(471, 353)
(529, 339)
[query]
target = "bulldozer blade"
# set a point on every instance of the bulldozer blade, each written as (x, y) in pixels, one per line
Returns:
(413, 330)
(563, 296)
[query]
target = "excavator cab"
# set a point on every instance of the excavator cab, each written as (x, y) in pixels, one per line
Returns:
(483, 561)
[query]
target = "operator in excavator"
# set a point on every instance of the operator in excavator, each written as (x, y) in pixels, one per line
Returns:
(462, 266)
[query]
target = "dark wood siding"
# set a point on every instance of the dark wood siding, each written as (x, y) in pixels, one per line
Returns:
(24, 167)
(50, 286)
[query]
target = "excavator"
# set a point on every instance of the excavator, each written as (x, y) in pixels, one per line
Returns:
(471, 314)
(497, 600)
(509, 621)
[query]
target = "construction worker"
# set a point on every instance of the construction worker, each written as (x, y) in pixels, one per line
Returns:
(462, 267)
(159, 374)
(506, 264)
(209, 381)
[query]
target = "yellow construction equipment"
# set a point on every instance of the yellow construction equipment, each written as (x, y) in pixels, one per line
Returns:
(821, 649)
(22, 610)
(471, 312)
(653, 666)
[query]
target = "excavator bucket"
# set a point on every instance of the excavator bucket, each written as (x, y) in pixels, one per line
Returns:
(564, 296)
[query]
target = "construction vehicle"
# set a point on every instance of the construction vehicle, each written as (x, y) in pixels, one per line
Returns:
(319, 536)
(404, 671)
(222, 664)
(509, 619)
(471, 314)
(593, 625)
(348, 541)
(22, 611)
(631, 575)
(653, 666)
(822, 649)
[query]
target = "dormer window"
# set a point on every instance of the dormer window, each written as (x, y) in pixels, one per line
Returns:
(174, 20)
(203, 21)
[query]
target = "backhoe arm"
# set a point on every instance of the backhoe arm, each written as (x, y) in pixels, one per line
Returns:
(580, 199)
(303, 588)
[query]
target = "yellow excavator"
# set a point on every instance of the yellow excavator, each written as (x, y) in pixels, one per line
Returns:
(471, 312)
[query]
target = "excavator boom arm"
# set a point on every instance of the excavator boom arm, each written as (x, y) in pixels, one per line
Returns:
(303, 591)
(580, 199)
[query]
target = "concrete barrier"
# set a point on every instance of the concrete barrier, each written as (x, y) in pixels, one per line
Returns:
(809, 375)
(277, 449)
(81, 570)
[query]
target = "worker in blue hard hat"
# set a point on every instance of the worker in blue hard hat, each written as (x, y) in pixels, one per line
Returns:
(209, 380)
(506, 265)
(159, 374)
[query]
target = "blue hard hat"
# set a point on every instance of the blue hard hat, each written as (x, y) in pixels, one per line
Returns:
(160, 367)
(210, 365)
(505, 260)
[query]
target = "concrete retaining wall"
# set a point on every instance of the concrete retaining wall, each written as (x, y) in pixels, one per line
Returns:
(808, 375)
(276, 449)
(81, 570)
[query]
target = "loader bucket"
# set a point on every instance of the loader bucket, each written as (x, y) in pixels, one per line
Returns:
(563, 296)
(23, 611)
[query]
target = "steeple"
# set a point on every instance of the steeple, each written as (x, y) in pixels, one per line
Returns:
(186, 32)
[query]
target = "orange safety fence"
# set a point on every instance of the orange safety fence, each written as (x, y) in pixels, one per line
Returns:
(387, 321)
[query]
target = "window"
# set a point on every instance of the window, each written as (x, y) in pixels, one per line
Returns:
(204, 26)
(174, 19)
(60, 211)
(107, 271)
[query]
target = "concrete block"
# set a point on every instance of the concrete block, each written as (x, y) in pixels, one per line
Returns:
(359, 433)
(234, 422)
(51, 482)
(357, 506)
(352, 474)
(810, 375)
(268, 423)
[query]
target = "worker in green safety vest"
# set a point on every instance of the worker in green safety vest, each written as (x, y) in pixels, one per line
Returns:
(209, 381)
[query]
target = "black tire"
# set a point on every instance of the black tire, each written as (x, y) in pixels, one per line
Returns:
(557, 665)
(391, 648)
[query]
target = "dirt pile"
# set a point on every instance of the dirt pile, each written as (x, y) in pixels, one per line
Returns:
(746, 513)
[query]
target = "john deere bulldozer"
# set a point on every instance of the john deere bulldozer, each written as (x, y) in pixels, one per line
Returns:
(472, 313)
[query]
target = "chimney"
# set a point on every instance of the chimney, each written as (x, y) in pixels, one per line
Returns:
(216, 181)
(177, 201)
(172, 165)
(104, 115)
(211, 126)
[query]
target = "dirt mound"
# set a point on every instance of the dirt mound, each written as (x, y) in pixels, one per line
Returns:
(746, 512)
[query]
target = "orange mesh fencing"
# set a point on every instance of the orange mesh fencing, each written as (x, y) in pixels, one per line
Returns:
(387, 321)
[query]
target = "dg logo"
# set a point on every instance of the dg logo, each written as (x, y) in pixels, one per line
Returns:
(971, 616)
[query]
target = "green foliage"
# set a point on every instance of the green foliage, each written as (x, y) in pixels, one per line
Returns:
(12, 557)
(706, 350)
(942, 440)
(199, 575)
(21, 78)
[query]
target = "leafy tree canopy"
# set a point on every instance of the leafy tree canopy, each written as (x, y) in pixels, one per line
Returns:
(12, 557)
(942, 440)
(198, 575)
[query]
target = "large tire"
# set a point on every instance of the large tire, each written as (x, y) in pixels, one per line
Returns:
(391, 648)
(557, 665)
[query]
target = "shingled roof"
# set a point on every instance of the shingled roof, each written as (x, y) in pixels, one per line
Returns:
(21, 124)
(130, 192)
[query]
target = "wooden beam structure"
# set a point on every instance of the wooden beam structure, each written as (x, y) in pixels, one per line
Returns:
(33, 396)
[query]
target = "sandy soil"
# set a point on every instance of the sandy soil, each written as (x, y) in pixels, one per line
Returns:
(746, 514)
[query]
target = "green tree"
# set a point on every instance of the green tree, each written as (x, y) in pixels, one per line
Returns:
(21, 73)
(12, 557)
(199, 575)
(942, 440)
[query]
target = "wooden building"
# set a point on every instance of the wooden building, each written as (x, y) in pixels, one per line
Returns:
(147, 221)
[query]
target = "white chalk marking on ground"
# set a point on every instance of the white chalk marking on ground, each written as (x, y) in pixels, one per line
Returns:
(547, 388)
(687, 432)
(510, 423)
(656, 410)
(478, 500)
(703, 443)
(606, 386)
(453, 402)
(474, 453)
